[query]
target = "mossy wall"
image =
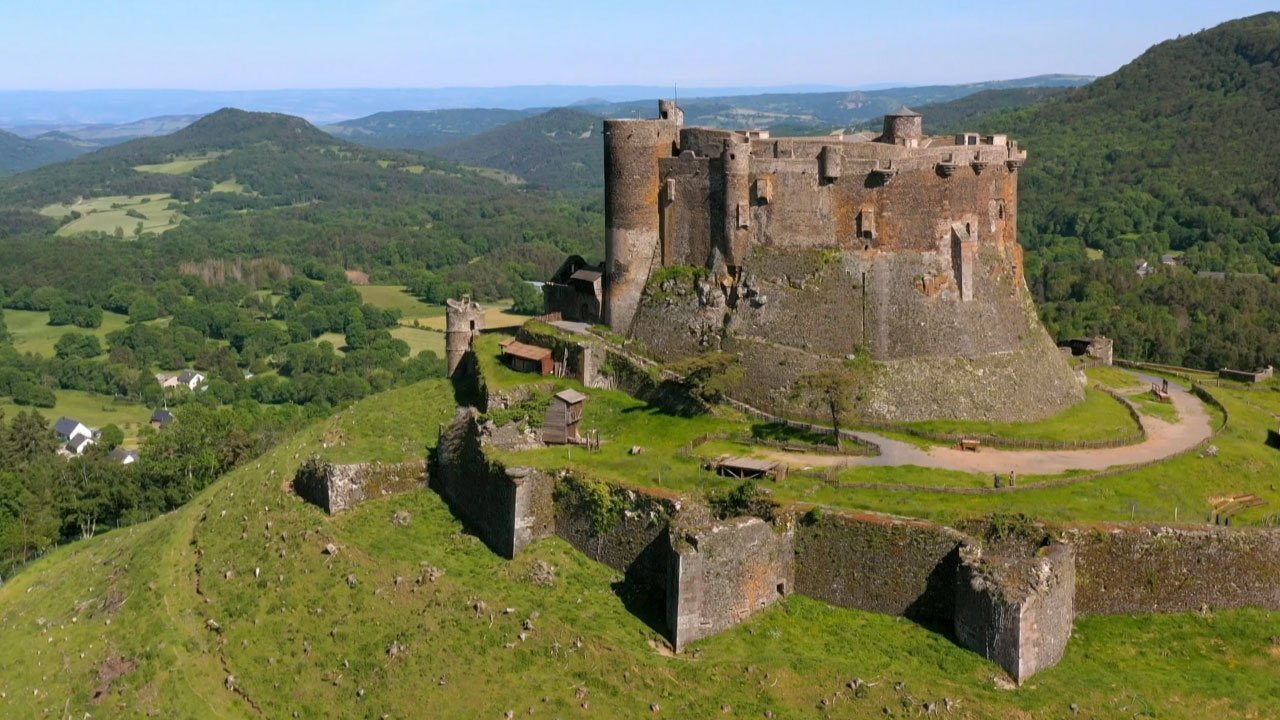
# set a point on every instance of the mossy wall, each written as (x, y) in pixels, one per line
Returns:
(1128, 569)
(878, 563)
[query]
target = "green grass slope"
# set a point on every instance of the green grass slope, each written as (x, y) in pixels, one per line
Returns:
(559, 149)
(119, 626)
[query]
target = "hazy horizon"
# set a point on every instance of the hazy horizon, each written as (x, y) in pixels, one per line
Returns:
(241, 45)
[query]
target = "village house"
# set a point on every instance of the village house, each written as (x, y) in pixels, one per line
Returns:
(124, 456)
(190, 379)
(67, 428)
(161, 417)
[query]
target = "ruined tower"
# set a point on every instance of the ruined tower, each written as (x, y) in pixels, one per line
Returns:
(464, 319)
(805, 251)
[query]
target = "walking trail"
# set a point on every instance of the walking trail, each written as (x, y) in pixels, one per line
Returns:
(1164, 439)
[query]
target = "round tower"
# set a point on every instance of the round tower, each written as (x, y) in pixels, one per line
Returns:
(464, 319)
(904, 126)
(632, 246)
(736, 158)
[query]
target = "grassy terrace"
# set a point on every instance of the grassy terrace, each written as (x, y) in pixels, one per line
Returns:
(296, 637)
(1180, 489)
(1099, 417)
(92, 410)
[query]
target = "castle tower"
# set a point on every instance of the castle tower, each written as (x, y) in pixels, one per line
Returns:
(632, 221)
(904, 126)
(464, 319)
(737, 199)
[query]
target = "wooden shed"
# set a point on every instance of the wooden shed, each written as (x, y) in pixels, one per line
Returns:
(527, 358)
(744, 468)
(563, 417)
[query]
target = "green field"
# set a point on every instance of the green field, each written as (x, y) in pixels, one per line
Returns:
(105, 214)
(179, 166)
(128, 614)
(32, 332)
(93, 410)
(394, 297)
(228, 186)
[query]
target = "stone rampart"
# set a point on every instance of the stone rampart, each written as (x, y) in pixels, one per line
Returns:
(1016, 612)
(336, 488)
(719, 576)
(1133, 569)
(621, 528)
(878, 563)
(507, 508)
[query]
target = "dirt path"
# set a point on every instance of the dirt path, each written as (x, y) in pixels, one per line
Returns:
(1163, 440)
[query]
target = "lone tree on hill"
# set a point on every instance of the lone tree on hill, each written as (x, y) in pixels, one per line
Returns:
(837, 390)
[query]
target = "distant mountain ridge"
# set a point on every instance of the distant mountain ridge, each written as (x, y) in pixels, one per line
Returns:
(422, 130)
(558, 149)
(18, 154)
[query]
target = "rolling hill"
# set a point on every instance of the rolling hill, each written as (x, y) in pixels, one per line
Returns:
(232, 606)
(558, 149)
(957, 115)
(1170, 152)
(421, 130)
(18, 154)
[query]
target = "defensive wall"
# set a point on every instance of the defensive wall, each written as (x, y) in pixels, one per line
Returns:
(805, 251)
(1012, 602)
(336, 488)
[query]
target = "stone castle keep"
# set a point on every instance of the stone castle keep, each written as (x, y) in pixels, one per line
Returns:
(805, 251)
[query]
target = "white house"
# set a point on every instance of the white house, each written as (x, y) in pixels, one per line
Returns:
(123, 456)
(67, 428)
(191, 378)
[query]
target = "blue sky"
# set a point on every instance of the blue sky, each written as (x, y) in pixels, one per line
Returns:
(271, 44)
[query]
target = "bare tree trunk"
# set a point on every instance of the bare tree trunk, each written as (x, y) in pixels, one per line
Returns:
(835, 427)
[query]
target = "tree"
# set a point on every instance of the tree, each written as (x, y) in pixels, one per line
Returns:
(710, 376)
(837, 390)
(77, 345)
(28, 438)
(143, 308)
(111, 437)
(525, 299)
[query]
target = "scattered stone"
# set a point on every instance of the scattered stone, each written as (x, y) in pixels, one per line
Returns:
(508, 611)
(527, 624)
(535, 615)
(352, 581)
(726, 708)
(230, 682)
(213, 625)
(635, 450)
(330, 549)
(360, 692)
(1075, 709)
(479, 606)
(228, 575)
(542, 573)
(394, 649)
(401, 518)
(581, 693)
(430, 573)
(655, 708)
(509, 714)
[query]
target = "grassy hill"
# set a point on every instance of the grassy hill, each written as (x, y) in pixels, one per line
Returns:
(241, 184)
(229, 607)
(421, 130)
(559, 149)
(18, 154)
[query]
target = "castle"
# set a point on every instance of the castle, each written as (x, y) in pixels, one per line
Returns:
(799, 253)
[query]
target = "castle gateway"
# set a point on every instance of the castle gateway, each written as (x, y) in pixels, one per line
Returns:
(798, 253)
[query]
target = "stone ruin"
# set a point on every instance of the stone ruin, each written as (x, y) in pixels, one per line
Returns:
(337, 488)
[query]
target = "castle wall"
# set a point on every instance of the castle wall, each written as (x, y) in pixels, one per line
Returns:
(337, 488)
(505, 508)
(1127, 569)
(720, 576)
(634, 542)
(1017, 613)
(878, 563)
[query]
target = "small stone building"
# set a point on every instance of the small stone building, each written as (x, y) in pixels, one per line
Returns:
(563, 417)
(575, 291)
(523, 357)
